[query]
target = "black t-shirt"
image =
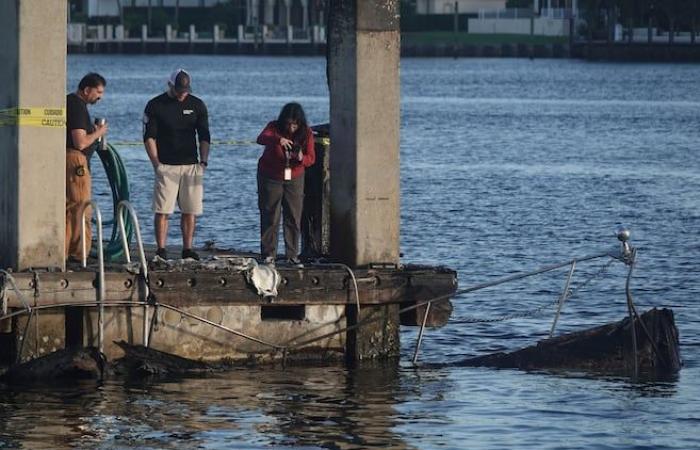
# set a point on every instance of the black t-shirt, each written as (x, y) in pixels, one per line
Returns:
(77, 118)
(175, 125)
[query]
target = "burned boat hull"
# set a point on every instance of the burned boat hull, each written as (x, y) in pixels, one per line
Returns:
(604, 349)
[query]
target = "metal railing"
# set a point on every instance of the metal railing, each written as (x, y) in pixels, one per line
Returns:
(101, 267)
(143, 265)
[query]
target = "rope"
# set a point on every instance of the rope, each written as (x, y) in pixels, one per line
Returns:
(216, 325)
(636, 317)
(519, 315)
(9, 278)
(352, 275)
(222, 142)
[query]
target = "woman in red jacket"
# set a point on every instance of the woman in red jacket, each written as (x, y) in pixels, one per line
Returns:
(289, 148)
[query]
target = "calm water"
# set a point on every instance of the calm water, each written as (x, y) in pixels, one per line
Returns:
(507, 165)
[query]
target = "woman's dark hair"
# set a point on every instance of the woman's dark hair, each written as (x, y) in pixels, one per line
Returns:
(293, 112)
(92, 80)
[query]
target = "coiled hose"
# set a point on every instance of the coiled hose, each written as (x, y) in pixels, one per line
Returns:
(119, 185)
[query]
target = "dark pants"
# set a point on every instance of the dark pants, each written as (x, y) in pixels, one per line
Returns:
(273, 194)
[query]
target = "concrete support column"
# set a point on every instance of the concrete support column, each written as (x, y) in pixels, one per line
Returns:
(32, 133)
(377, 337)
(269, 18)
(363, 69)
(305, 14)
(252, 16)
(287, 13)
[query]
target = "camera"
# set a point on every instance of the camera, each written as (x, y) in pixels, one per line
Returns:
(296, 148)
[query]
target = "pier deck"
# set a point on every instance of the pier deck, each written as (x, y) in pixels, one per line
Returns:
(195, 305)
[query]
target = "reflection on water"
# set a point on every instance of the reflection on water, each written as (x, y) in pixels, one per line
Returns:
(303, 407)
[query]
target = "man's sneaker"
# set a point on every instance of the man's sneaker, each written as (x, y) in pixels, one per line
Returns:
(162, 254)
(189, 253)
(295, 262)
(270, 260)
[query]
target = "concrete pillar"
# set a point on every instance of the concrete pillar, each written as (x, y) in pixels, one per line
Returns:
(305, 14)
(287, 13)
(378, 335)
(253, 7)
(269, 17)
(32, 134)
(363, 69)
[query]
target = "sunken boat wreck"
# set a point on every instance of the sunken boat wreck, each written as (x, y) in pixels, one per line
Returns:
(346, 303)
(179, 317)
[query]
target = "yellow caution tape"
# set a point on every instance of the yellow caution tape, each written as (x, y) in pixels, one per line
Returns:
(33, 117)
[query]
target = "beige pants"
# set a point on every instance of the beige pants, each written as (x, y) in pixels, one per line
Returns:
(78, 187)
(182, 184)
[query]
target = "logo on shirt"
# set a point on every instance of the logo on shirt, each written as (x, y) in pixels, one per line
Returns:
(187, 111)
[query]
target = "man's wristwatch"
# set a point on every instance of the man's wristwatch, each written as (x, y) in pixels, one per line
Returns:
(204, 163)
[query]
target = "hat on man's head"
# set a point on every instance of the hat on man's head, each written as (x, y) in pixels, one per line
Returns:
(180, 81)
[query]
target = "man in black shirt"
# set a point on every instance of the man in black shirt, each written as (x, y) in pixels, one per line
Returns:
(81, 136)
(173, 122)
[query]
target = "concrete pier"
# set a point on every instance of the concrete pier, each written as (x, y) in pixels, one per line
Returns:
(193, 311)
(32, 133)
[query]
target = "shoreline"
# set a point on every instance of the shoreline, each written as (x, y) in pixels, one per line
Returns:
(589, 51)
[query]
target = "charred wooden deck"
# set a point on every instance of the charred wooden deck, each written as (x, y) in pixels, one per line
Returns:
(314, 303)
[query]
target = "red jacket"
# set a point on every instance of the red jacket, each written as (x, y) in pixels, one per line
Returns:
(273, 160)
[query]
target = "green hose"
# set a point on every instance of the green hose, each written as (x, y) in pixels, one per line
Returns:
(119, 184)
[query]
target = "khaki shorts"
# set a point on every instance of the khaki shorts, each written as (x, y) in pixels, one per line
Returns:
(184, 184)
